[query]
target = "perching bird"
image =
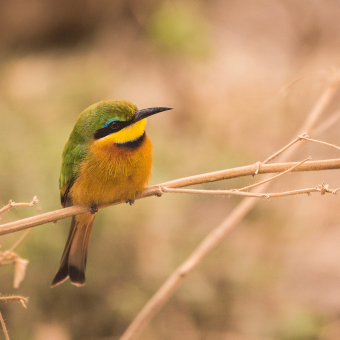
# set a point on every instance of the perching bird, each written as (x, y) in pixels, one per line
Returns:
(107, 157)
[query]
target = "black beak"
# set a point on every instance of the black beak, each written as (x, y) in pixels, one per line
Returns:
(141, 114)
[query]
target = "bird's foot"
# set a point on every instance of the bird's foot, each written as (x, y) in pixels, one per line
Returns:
(130, 201)
(93, 209)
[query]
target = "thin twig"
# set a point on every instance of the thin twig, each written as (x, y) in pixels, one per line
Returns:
(235, 192)
(12, 204)
(320, 142)
(23, 300)
(2, 321)
(297, 139)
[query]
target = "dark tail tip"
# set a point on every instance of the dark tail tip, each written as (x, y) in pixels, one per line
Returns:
(60, 277)
(77, 276)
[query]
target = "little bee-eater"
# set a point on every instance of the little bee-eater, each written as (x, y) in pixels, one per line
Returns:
(107, 157)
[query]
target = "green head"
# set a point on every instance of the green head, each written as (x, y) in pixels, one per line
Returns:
(109, 117)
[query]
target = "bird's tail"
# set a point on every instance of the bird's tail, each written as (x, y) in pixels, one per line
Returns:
(73, 261)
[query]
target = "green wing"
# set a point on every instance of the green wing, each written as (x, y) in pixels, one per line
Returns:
(74, 154)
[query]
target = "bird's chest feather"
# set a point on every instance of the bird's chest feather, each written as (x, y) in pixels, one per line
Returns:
(113, 172)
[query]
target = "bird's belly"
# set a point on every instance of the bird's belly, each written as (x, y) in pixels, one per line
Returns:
(117, 173)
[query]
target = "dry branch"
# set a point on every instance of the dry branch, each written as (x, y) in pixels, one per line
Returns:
(19, 298)
(329, 164)
(3, 325)
(320, 188)
(12, 204)
(320, 142)
(23, 300)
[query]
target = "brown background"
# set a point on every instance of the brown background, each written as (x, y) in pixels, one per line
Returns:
(225, 67)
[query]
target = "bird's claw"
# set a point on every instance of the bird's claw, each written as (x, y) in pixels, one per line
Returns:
(130, 201)
(93, 209)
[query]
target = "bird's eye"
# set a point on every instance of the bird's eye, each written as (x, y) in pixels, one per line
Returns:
(114, 125)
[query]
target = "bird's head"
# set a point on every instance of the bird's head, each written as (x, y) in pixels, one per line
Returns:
(116, 121)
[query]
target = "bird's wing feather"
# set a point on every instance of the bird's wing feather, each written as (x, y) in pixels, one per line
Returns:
(74, 154)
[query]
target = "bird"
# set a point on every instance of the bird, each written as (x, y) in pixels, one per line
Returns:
(108, 157)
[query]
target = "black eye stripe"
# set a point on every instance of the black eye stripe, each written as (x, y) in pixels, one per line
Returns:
(114, 125)
(111, 128)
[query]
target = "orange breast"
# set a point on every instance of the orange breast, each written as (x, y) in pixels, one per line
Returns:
(112, 172)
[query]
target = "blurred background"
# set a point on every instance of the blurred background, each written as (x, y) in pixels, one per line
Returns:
(225, 66)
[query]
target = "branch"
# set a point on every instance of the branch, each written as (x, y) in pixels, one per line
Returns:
(322, 188)
(23, 300)
(319, 141)
(250, 170)
(56, 215)
(3, 325)
(12, 204)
